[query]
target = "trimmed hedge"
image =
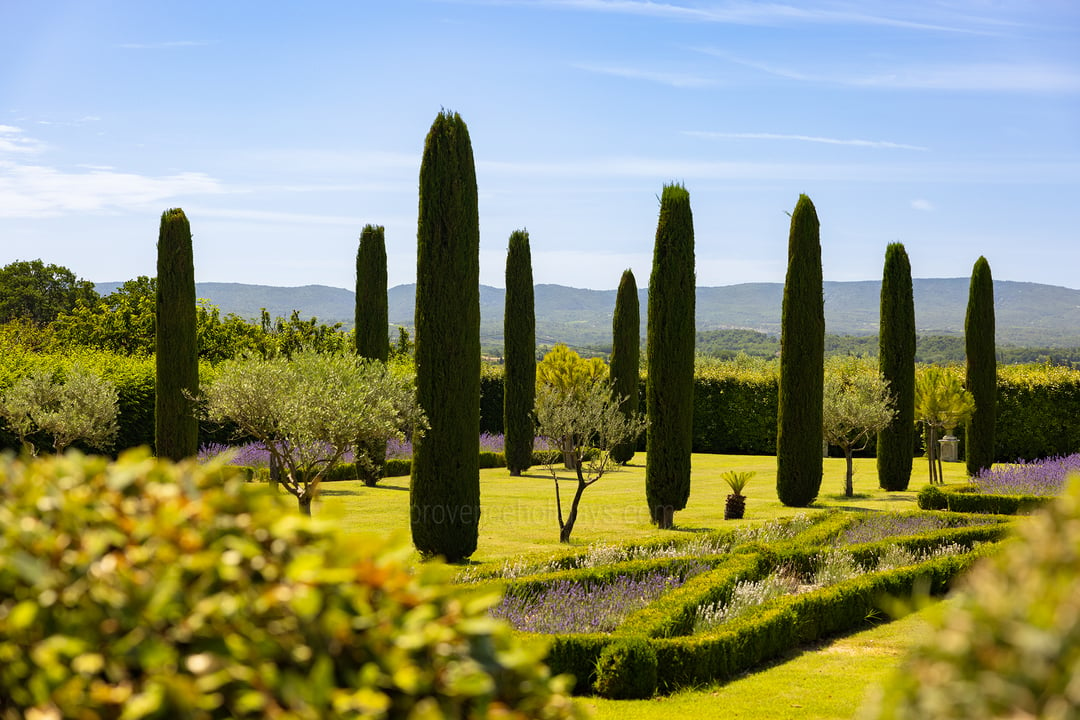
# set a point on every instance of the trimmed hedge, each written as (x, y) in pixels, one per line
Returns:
(777, 626)
(734, 407)
(967, 499)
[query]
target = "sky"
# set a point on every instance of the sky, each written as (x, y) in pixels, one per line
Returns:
(282, 128)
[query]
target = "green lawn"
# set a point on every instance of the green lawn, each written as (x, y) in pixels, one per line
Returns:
(830, 680)
(518, 514)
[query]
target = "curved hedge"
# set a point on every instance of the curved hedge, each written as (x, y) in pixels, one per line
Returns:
(146, 589)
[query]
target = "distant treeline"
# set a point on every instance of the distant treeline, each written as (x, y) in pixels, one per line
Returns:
(935, 349)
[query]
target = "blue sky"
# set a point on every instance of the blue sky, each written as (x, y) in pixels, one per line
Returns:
(282, 128)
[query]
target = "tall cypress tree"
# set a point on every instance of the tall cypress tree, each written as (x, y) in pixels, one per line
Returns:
(444, 498)
(626, 356)
(176, 429)
(670, 356)
(519, 338)
(896, 360)
(372, 325)
(799, 429)
(981, 368)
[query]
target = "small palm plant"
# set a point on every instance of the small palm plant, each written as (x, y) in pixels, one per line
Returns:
(736, 501)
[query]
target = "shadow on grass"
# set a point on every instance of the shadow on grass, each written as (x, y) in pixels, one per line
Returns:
(329, 490)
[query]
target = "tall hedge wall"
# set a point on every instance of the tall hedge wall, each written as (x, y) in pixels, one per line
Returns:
(734, 408)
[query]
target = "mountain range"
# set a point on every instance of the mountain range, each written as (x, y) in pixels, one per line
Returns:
(1026, 313)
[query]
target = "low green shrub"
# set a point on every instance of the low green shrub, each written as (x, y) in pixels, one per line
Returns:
(1023, 657)
(145, 589)
(966, 499)
(626, 670)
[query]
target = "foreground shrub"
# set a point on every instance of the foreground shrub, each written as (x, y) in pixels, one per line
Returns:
(626, 670)
(147, 589)
(1010, 646)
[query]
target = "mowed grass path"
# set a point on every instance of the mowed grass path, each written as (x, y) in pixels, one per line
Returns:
(518, 516)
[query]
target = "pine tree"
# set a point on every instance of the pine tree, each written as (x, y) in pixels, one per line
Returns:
(519, 338)
(802, 364)
(981, 368)
(670, 357)
(444, 497)
(626, 356)
(372, 323)
(372, 337)
(896, 360)
(176, 429)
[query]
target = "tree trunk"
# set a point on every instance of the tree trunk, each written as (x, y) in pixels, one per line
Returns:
(275, 473)
(849, 489)
(569, 458)
(305, 503)
(568, 527)
(665, 517)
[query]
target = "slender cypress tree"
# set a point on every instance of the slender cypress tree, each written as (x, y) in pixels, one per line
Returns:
(444, 497)
(626, 356)
(799, 429)
(896, 360)
(176, 429)
(519, 338)
(670, 357)
(981, 368)
(372, 324)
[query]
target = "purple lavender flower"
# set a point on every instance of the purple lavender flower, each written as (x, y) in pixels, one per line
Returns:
(1044, 477)
(568, 606)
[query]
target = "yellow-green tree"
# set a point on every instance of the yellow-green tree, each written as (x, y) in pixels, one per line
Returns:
(941, 403)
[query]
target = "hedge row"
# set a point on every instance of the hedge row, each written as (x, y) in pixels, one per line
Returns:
(966, 499)
(734, 407)
(777, 626)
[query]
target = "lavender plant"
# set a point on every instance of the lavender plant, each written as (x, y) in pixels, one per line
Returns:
(579, 607)
(1038, 477)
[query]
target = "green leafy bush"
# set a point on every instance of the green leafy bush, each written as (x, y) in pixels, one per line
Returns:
(965, 499)
(145, 589)
(1010, 644)
(626, 670)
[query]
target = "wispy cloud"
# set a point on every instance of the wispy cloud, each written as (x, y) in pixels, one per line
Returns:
(673, 79)
(739, 12)
(14, 141)
(38, 191)
(959, 77)
(805, 138)
(165, 45)
(271, 216)
(922, 204)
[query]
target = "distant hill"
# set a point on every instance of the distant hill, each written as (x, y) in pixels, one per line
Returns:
(1026, 313)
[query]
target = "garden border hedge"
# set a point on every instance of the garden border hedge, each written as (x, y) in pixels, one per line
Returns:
(967, 499)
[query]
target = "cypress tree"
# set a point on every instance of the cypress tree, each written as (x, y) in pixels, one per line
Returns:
(626, 356)
(981, 368)
(670, 357)
(444, 497)
(519, 338)
(372, 324)
(896, 360)
(176, 429)
(802, 364)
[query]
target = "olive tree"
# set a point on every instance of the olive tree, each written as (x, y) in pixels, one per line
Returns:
(71, 405)
(856, 405)
(309, 410)
(568, 376)
(589, 417)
